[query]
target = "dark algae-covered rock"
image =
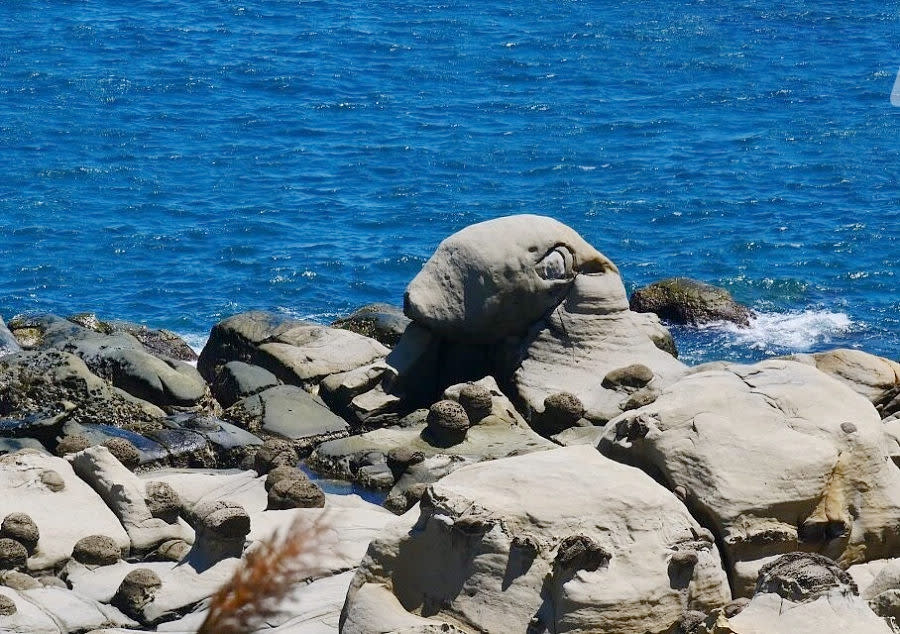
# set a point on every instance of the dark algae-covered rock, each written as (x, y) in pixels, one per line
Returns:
(683, 300)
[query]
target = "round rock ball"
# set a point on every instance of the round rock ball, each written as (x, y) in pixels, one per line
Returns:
(281, 473)
(293, 493)
(136, 590)
(7, 606)
(124, 451)
(52, 480)
(21, 527)
(13, 554)
(561, 411)
(447, 423)
(96, 550)
(163, 501)
(476, 400)
(72, 444)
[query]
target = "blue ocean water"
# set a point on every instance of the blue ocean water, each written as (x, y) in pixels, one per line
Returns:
(176, 162)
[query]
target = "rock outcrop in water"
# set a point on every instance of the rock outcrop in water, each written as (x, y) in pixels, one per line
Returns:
(721, 498)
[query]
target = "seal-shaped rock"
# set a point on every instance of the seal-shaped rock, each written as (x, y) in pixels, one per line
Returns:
(20, 527)
(447, 423)
(96, 550)
(802, 577)
(476, 400)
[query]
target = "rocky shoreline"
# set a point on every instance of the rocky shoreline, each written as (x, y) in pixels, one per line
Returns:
(546, 461)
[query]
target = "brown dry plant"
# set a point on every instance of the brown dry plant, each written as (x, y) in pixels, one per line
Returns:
(269, 572)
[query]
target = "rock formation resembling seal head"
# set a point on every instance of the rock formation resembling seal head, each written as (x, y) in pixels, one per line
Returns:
(495, 279)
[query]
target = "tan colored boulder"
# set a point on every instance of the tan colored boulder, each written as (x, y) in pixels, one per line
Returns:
(564, 540)
(774, 457)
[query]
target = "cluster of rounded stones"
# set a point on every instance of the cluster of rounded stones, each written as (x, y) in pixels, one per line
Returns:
(287, 486)
(19, 537)
(123, 449)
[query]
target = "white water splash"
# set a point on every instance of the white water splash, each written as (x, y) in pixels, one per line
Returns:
(795, 331)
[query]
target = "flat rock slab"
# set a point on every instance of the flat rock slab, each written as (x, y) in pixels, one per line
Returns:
(290, 412)
(62, 517)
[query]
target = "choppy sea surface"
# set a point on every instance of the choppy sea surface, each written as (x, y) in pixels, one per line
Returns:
(176, 162)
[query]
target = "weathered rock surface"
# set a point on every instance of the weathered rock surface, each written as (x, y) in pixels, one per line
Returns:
(371, 458)
(495, 547)
(126, 495)
(237, 380)
(62, 516)
(800, 593)
(297, 352)
(382, 322)
(683, 300)
(290, 412)
(765, 456)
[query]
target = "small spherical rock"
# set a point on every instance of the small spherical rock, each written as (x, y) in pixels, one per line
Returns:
(96, 550)
(635, 375)
(136, 590)
(124, 451)
(561, 411)
(281, 473)
(224, 519)
(291, 493)
(52, 480)
(476, 400)
(275, 453)
(447, 422)
(72, 444)
(13, 554)
(22, 528)
(735, 607)
(163, 501)
(848, 428)
(7, 606)
(402, 457)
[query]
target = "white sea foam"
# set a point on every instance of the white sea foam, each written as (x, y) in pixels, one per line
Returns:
(795, 331)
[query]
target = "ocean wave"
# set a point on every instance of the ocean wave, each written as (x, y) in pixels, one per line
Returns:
(793, 331)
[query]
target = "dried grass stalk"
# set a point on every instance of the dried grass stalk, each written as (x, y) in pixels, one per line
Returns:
(268, 574)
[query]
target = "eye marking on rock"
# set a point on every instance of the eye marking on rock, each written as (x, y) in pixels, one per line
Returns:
(558, 264)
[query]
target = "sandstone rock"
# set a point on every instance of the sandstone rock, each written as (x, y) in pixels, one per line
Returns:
(126, 495)
(124, 451)
(282, 472)
(138, 588)
(561, 411)
(682, 300)
(26, 488)
(290, 412)
(447, 423)
(802, 577)
(13, 554)
(20, 527)
(19, 580)
(237, 380)
(476, 401)
(7, 606)
(162, 501)
(634, 375)
(295, 492)
(96, 550)
(44, 382)
(483, 552)
(297, 352)
(72, 444)
(275, 453)
(382, 322)
(762, 457)
(221, 528)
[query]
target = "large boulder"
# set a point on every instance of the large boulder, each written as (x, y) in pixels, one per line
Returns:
(682, 300)
(876, 378)
(297, 352)
(52, 382)
(496, 547)
(774, 457)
